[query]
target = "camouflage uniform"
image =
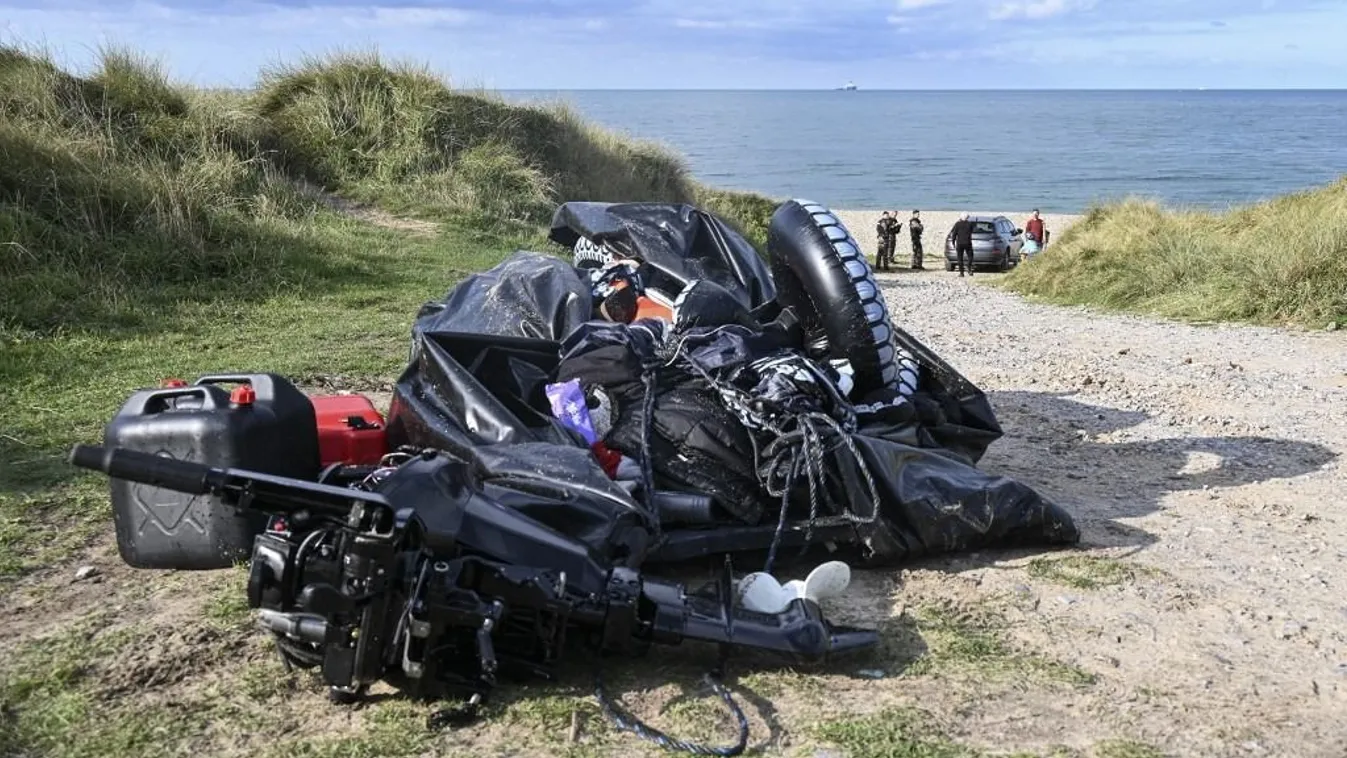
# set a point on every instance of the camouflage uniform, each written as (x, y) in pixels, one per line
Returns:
(915, 228)
(887, 232)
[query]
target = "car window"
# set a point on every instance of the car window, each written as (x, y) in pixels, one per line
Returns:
(983, 227)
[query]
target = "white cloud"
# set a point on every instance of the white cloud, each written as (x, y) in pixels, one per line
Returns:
(693, 23)
(697, 23)
(1038, 8)
(421, 17)
(266, 16)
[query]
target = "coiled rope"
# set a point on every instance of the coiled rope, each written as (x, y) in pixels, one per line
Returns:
(798, 444)
(626, 722)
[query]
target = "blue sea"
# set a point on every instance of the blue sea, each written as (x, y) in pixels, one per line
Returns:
(998, 150)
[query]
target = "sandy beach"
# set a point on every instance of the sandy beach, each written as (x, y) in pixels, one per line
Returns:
(861, 223)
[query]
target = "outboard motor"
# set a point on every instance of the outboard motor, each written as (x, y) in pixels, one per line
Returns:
(414, 576)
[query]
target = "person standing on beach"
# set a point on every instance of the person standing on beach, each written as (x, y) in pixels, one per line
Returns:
(915, 228)
(888, 236)
(1036, 230)
(963, 242)
(894, 228)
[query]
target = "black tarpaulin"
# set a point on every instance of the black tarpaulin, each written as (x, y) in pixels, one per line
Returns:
(930, 498)
(527, 295)
(463, 390)
(681, 241)
(896, 477)
(482, 399)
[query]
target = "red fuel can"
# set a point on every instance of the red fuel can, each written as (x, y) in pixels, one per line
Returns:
(350, 430)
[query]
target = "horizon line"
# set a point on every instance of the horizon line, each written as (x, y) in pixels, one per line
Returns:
(926, 90)
(918, 89)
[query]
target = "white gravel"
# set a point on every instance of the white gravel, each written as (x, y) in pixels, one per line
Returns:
(1210, 454)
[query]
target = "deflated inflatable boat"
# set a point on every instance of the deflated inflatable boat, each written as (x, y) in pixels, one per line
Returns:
(564, 424)
(769, 405)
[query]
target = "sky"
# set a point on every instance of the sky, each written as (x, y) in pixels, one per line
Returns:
(725, 44)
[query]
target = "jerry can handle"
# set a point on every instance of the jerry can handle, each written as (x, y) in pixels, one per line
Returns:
(156, 401)
(226, 379)
(265, 385)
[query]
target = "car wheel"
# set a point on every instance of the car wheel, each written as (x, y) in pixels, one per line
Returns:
(949, 266)
(1005, 261)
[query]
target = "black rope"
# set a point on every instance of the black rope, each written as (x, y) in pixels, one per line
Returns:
(797, 448)
(626, 722)
(456, 716)
(781, 518)
(797, 444)
(649, 380)
(296, 654)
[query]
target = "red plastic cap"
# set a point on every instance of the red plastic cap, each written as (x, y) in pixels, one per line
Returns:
(174, 383)
(243, 395)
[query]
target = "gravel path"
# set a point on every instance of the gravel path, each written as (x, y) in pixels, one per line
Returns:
(1209, 455)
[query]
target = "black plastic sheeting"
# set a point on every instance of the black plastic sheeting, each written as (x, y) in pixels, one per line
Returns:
(528, 295)
(482, 357)
(481, 398)
(679, 241)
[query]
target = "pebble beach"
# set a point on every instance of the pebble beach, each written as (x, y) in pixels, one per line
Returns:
(861, 224)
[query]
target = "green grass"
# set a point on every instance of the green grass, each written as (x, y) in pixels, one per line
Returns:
(44, 691)
(355, 121)
(124, 196)
(62, 387)
(393, 730)
(1125, 749)
(891, 733)
(971, 642)
(904, 732)
(1279, 262)
(748, 212)
(1082, 571)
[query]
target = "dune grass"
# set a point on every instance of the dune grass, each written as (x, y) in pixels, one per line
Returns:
(125, 192)
(1283, 261)
(399, 133)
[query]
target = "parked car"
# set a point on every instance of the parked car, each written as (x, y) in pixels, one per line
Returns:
(996, 244)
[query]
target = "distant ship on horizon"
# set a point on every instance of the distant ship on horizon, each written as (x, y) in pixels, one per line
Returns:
(848, 86)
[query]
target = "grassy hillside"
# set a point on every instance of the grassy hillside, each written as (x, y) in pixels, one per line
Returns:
(1279, 262)
(151, 230)
(123, 195)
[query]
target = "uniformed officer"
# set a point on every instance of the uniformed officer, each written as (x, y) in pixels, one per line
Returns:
(915, 228)
(887, 232)
(882, 234)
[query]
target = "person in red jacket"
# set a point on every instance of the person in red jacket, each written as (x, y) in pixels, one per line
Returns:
(1036, 230)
